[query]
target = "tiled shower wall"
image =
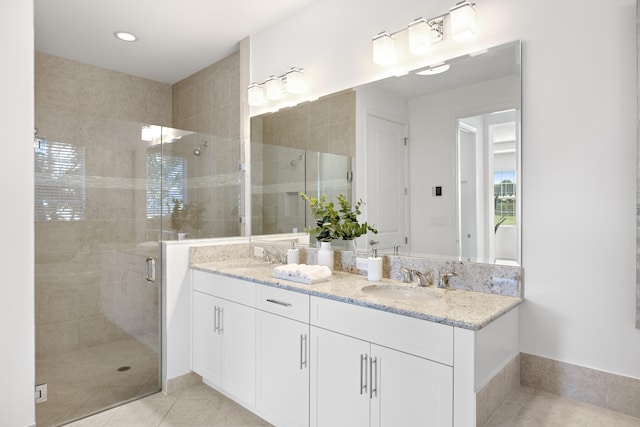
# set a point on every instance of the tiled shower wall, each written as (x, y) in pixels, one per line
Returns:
(94, 110)
(88, 271)
(326, 125)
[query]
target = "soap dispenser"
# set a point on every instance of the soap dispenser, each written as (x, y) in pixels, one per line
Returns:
(374, 267)
(293, 254)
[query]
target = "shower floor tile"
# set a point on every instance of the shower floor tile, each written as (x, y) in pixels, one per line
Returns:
(87, 380)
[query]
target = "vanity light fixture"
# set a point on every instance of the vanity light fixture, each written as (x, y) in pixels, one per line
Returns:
(275, 88)
(422, 33)
(463, 21)
(384, 49)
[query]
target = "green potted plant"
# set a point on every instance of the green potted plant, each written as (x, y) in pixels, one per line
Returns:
(336, 224)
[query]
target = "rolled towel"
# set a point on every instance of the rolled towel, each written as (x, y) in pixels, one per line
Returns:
(316, 272)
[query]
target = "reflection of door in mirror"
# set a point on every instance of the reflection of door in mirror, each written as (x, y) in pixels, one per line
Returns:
(386, 182)
(487, 164)
(467, 235)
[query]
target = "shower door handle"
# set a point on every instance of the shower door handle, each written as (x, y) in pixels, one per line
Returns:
(150, 270)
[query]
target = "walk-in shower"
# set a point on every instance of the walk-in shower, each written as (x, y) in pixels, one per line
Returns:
(104, 203)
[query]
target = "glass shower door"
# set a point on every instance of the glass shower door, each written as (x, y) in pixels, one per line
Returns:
(98, 265)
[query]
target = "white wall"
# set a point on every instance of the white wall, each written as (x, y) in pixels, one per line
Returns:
(17, 358)
(579, 112)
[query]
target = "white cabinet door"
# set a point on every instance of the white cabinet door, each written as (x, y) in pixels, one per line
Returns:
(224, 345)
(409, 390)
(339, 380)
(206, 340)
(238, 351)
(282, 396)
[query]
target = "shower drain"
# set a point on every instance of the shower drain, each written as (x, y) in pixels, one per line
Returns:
(123, 368)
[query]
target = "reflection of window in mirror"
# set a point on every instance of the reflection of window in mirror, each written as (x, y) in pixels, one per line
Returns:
(60, 181)
(504, 198)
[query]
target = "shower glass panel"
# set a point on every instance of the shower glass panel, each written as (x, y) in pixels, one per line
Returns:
(278, 176)
(107, 193)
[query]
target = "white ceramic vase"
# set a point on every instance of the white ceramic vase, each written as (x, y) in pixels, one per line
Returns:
(325, 255)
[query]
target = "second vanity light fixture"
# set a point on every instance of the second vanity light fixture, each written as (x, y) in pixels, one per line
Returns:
(275, 88)
(422, 33)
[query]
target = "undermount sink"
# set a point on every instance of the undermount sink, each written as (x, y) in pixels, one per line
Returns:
(400, 292)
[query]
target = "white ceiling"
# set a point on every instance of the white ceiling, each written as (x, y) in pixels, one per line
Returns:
(176, 37)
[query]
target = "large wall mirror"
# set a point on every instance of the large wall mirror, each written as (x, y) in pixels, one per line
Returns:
(435, 154)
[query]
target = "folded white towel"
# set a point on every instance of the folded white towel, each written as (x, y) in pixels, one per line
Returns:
(303, 271)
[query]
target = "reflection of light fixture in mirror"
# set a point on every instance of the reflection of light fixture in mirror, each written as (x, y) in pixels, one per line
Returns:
(256, 95)
(463, 21)
(384, 49)
(422, 33)
(273, 88)
(125, 36)
(146, 134)
(433, 70)
(295, 80)
(419, 36)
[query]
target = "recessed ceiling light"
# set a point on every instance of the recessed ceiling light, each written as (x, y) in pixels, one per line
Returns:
(433, 70)
(124, 36)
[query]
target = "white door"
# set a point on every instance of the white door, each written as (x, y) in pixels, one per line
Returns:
(283, 370)
(409, 390)
(386, 182)
(206, 340)
(339, 380)
(237, 327)
(468, 237)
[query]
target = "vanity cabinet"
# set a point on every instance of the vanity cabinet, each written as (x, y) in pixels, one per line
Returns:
(224, 345)
(357, 380)
(282, 381)
(298, 360)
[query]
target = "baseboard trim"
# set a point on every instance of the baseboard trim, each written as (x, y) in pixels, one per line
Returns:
(610, 391)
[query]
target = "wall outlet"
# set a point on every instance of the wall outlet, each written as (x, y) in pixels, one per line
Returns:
(258, 251)
(41, 393)
(362, 264)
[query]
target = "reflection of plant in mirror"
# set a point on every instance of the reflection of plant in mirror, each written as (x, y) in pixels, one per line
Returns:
(332, 224)
(185, 214)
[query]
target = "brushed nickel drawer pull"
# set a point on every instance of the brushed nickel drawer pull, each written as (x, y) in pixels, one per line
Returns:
(275, 301)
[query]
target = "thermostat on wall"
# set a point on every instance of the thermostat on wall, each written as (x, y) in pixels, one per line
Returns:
(437, 191)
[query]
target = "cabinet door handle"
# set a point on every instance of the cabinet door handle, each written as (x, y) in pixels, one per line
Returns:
(303, 351)
(363, 373)
(275, 301)
(221, 322)
(215, 319)
(373, 390)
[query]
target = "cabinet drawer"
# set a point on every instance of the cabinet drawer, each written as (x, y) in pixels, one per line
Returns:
(228, 288)
(414, 336)
(293, 305)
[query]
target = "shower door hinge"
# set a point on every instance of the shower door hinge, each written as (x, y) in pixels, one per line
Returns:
(241, 166)
(41, 393)
(241, 219)
(406, 140)
(349, 176)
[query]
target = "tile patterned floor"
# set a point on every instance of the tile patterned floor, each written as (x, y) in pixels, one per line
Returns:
(197, 406)
(87, 380)
(201, 406)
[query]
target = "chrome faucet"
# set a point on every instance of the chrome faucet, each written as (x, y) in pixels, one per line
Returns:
(423, 279)
(444, 280)
(407, 276)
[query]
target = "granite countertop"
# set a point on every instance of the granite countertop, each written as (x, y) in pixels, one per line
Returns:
(458, 308)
